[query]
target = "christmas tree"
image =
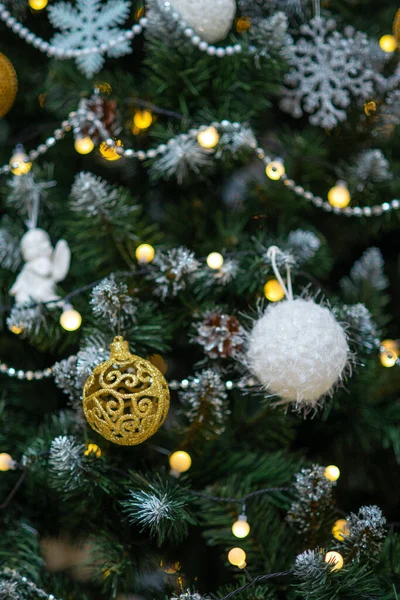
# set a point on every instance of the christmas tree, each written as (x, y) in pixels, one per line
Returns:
(199, 272)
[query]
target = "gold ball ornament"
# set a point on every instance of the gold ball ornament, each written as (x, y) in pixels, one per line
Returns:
(8, 85)
(19, 162)
(126, 398)
(110, 152)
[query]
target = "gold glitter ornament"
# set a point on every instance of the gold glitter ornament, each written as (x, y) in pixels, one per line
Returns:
(126, 398)
(8, 85)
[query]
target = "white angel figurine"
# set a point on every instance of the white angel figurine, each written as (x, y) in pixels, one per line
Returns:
(44, 268)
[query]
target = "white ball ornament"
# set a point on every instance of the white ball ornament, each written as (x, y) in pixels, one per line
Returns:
(298, 351)
(210, 19)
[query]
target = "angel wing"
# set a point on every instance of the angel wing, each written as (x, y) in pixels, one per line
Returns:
(61, 260)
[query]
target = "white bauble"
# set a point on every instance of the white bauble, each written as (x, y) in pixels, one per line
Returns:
(211, 19)
(298, 351)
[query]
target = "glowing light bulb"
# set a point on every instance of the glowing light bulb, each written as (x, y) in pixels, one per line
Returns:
(388, 43)
(340, 529)
(334, 558)
(388, 358)
(208, 138)
(17, 329)
(215, 260)
(6, 462)
(180, 461)
(275, 170)
(370, 108)
(92, 449)
(145, 253)
(243, 24)
(339, 195)
(19, 163)
(332, 473)
(237, 557)
(390, 345)
(83, 144)
(38, 4)
(142, 119)
(110, 152)
(70, 319)
(241, 528)
(273, 290)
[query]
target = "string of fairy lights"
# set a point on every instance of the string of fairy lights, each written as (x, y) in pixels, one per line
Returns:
(208, 137)
(180, 462)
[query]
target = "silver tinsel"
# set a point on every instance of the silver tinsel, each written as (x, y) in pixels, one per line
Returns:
(92, 195)
(66, 458)
(303, 244)
(313, 494)
(309, 565)
(361, 329)
(270, 36)
(172, 270)
(31, 320)
(390, 112)
(160, 25)
(369, 268)
(9, 590)
(256, 8)
(64, 373)
(328, 69)
(206, 393)
(25, 192)
(10, 255)
(111, 302)
(219, 334)
(188, 595)
(369, 166)
(233, 140)
(224, 275)
(367, 533)
(184, 155)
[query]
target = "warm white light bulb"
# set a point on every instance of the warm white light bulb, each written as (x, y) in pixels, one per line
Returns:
(180, 461)
(38, 4)
(339, 195)
(70, 319)
(388, 43)
(335, 559)
(332, 472)
(208, 138)
(145, 253)
(273, 290)
(241, 528)
(6, 462)
(84, 145)
(237, 557)
(215, 260)
(275, 169)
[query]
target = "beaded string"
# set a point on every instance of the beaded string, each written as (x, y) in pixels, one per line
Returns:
(75, 119)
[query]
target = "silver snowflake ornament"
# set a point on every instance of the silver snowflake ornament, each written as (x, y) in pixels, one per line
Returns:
(328, 69)
(88, 25)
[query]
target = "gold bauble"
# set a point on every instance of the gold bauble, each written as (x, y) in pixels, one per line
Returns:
(8, 85)
(126, 398)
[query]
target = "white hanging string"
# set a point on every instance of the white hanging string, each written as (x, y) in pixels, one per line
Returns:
(317, 8)
(272, 253)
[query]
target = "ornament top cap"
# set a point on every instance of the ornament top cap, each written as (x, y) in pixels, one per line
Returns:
(119, 348)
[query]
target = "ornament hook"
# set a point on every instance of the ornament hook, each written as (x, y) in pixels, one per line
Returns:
(272, 253)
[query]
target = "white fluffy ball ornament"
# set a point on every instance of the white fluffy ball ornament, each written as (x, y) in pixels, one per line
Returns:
(211, 19)
(298, 351)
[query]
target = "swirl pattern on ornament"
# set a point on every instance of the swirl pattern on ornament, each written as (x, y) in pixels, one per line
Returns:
(126, 398)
